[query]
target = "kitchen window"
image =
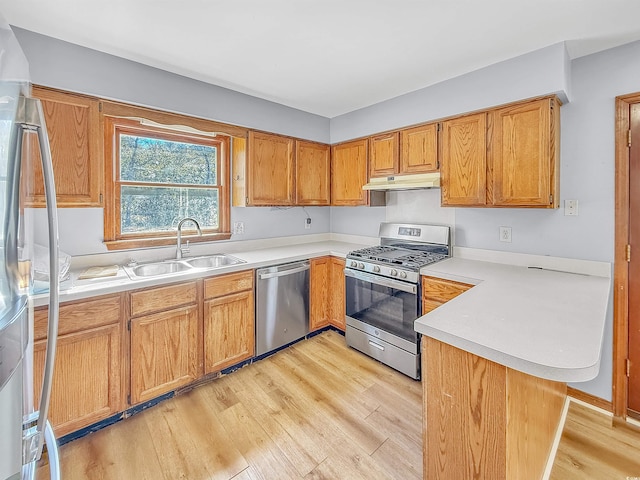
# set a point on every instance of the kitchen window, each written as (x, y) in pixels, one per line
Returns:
(160, 175)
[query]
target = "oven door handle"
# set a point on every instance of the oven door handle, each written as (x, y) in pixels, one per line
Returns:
(378, 280)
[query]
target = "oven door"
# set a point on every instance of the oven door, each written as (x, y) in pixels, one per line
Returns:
(386, 305)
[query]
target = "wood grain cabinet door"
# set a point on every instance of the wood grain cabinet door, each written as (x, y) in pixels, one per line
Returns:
(349, 173)
(73, 126)
(319, 291)
(313, 173)
(270, 170)
(86, 377)
(419, 149)
(229, 330)
(164, 352)
(384, 154)
(337, 293)
(523, 154)
(463, 168)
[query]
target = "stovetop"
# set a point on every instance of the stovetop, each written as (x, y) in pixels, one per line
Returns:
(407, 258)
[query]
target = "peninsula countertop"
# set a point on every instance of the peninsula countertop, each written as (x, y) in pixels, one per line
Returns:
(545, 323)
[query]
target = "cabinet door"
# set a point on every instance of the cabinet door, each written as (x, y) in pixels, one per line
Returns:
(313, 173)
(464, 161)
(523, 154)
(270, 170)
(229, 332)
(73, 126)
(319, 289)
(384, 155)
(419, 149)
(164, 352)
(86, 378)
(337, 293)
(349, 173)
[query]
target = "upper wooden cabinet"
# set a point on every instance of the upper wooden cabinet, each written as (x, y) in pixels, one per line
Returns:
(313, 173)
(349, 173)
(419, 149)
(384, 154)
(463, 169)
(524, 154)
(506, 157)
(270, 170)
(73, 126)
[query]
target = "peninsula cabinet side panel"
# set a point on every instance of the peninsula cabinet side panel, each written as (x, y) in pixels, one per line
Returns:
(464, 414)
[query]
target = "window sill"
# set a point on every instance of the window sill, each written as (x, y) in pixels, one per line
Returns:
(131, 243)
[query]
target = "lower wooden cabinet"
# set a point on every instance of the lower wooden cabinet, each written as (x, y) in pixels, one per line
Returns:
(337, 294)
(319, 291)
(87, 379)
(326, 296)
(166, 340)
(229, 322)
(436, 291)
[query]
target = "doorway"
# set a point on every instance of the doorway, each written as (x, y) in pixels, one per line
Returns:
(626, 380)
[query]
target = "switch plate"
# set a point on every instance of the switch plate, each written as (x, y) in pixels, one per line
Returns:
(238, 228)
(307, 223)
(505, 234)
(571, 207)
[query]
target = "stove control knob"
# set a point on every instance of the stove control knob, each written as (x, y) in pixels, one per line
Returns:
(360, 265)
(376, 269)
(353, 263)
(403, 274)
(394, 272)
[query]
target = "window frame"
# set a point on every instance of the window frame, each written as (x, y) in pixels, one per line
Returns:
(114, 239)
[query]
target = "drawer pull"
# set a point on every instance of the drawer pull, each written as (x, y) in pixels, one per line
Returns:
(379, 347)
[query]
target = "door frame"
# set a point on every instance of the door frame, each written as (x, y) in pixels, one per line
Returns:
(621, 266)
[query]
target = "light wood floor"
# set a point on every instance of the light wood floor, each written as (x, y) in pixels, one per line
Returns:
(317, 410)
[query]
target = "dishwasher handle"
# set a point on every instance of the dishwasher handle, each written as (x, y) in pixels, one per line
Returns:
(297, 268)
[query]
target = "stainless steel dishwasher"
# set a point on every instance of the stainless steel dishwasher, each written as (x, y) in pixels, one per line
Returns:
(282, 305)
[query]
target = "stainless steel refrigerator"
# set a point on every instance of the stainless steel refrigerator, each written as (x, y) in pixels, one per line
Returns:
(24, 430)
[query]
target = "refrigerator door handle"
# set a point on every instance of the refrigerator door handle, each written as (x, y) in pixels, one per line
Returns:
(34, 120)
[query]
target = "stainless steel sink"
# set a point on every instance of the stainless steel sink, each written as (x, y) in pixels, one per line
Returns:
(213, 261)
(176, 267)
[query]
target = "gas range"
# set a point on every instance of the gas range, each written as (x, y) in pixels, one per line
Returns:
(404, 249)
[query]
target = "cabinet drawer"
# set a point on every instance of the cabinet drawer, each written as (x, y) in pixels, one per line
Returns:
(436, 289)
(163, 298)
(428, 305)
(79, 316)
(226, 284)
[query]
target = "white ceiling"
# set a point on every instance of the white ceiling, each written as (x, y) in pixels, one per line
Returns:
(333, 56)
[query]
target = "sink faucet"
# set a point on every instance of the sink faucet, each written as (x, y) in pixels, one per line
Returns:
(179, 248)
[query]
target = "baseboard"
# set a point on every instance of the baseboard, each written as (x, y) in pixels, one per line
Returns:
(584, 397)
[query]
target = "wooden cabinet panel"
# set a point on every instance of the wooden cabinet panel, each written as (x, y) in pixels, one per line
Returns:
(230, 283)
(337, 293)
(523, 154)
(162, 298)
(484, 420)
(464, 161)
(349, 173)
(319, 291)
(419, 149)
(229, 328)
(86, 379)
(164, 352)
(436, 291)
(81, 315)
(313, 173)
(270, 170)
(73, 125)
(384, 154)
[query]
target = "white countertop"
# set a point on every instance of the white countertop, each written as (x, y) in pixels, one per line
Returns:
(546, 323)
(256, 258)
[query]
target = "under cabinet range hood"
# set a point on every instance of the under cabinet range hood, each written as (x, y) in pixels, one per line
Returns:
(404, 182)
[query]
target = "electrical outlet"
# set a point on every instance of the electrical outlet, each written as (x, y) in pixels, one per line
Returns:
(571, 207)
(505, 234)
(307, 223)
(238, 228)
